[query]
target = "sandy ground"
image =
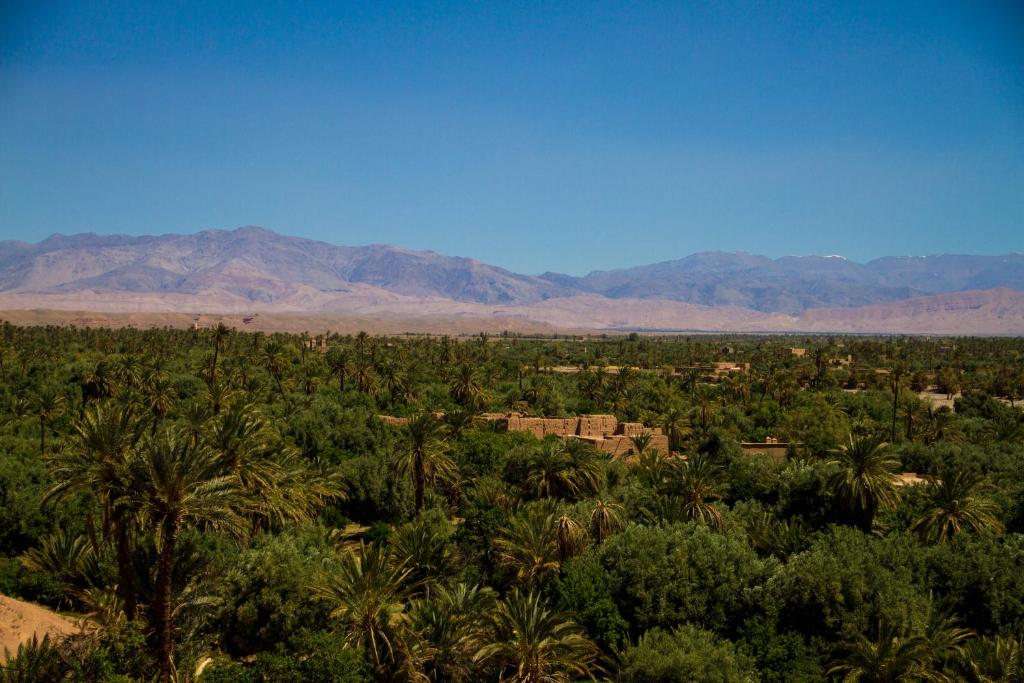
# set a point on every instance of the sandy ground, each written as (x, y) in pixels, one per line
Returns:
(314, 323)
(19, 621)
(938, 399)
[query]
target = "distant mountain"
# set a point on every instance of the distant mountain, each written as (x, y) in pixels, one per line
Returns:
(253, 269)
(255, 264)
(796, 283)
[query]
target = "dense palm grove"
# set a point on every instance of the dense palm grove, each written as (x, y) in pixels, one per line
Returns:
(221, 506)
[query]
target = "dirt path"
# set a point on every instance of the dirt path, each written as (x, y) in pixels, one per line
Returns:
(19, 621)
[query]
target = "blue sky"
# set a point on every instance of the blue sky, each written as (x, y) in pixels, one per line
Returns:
(562, 136)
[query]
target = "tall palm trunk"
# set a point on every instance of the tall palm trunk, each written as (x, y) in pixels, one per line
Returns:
(213, 368)
(125, 573)
(867, 518)
(420, 478)
(163, 623)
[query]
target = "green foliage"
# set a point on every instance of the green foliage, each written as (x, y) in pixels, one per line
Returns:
(264, 591)
(687, 653)
(260, 520)
(667, 576)
(309, 657)
(845, 582)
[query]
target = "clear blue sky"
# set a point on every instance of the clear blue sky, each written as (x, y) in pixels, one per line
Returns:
(560, 135)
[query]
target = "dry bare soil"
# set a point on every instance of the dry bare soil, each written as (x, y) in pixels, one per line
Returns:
(986, 312)
(20, 621)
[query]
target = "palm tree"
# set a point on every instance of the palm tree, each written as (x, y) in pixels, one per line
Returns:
(705, 410)
(424, 458)
(641, 442)
(66, 555)
(220, 333)
(338, 362)
(562, 469)
(955, 506)
(159, 397)
(605, 520)
(529, 545)
(677, 427)
(998, 659)
(865, 482)
(126, 370)
(46, 403)
(367, 594)
(100, 462)
(279, 486)
(892, 657)
(394, 382)
(531, 644)
(898, 372)
(697, 482)
(274, 359)
(35, 660)
(570, 537)
(423, 546)
(178, 484)
(459, 420)
(310, 379)
(363, 374)
(946, 640)
(454, 621)
(942, 425)
(466, 390)
(98, 383)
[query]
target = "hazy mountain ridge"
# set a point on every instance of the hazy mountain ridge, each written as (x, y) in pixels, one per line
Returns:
(255, 263)
(795, 283)
(256, 269)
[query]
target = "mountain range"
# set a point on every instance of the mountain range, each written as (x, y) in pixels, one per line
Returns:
(254, 269)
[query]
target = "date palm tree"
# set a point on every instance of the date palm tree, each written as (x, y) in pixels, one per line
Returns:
(529, 545)
(454, 621)
(570, 537)
(893, 656)
(563, 469)
(424, 546)
(705, 409)
(605, 520)
(100, 462)
(177, 484)
(696, 483)
(220, 334)
(274, 360)
(677, 427)
(338, 363)
(367, 594)
(98, 383)
(423, 457)
(363, 374)
(866, 480)
(46, 403)
(529, 643)
(278, 485)
(956, 505)
(466, 388)
(641, 442)
(994, 659)
(159, 397)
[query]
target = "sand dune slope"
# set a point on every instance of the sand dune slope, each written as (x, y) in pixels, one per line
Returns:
(20, 620)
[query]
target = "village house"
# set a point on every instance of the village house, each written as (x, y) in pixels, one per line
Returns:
(771, 447)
